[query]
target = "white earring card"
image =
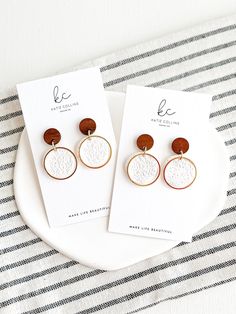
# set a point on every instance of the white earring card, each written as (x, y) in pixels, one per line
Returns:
(158, 210)
(61, 102)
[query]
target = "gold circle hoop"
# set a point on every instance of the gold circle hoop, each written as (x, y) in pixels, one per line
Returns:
(56, 147)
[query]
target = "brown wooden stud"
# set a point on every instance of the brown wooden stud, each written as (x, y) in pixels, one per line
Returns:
(87, 125)
(179, 145)
(145, 141)
(52, 135)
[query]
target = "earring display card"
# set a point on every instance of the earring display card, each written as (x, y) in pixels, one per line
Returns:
(61, 102)
(157, 210)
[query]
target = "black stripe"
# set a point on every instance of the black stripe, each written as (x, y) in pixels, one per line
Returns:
(231, 192)
(38, 274)
(232, 158)
(11, 115)
(222, 111)
(169, 63)
(20, 245)
(213, 232)
(225, 94)
(7, 199)
(193, 72)
(13, 231)
(28, 260)
(226, 126)
(7, 166)
(8, 149)
(8, 99)
(211, 82)
(232, 174)
(11, 132)
(130, 296)
(114, 283)
(209, 233)
(228, 211)
(230, 142)
(182, 42)
(6, 183)
(215, 284)
(9, 215)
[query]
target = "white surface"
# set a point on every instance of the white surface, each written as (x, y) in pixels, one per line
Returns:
(38, 29)
(97, 247)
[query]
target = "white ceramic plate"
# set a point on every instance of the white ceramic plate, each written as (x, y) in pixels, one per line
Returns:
(89, 242)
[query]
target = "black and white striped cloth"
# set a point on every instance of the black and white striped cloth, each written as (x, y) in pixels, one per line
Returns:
(36, 278)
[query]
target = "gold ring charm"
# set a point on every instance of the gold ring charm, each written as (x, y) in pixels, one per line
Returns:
(180, 172)
(94, 151)
(143, 169)
(60, 163)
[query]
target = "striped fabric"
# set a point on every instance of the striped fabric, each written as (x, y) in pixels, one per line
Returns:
(36, 278)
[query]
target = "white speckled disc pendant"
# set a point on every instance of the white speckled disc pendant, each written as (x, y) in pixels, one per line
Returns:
(94, 151)
(180, 172)
(59, 162)
(143, 168)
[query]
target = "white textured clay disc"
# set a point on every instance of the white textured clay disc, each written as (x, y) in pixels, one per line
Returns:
(143, 169)
(180, 173)
(60, 163)
(95, 151)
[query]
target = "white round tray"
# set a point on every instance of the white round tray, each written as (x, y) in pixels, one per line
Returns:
(89, 242)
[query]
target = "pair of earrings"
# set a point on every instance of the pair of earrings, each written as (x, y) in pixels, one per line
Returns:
(94, 152)
(144, 169)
